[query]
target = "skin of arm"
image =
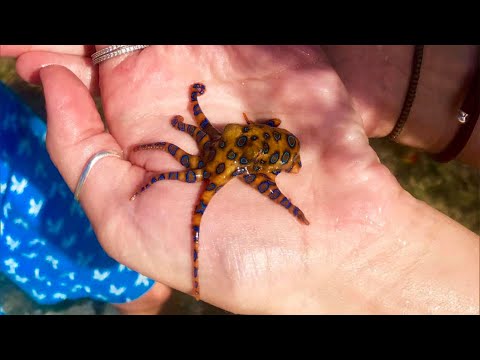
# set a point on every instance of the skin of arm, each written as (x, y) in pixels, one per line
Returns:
(426, 263)
(377, 78)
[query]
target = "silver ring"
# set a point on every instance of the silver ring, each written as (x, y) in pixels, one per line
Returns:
(107, 50)
(114, 50)
(93, 160)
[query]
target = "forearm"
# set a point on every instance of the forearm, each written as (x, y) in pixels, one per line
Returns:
(425, 263)
(377, 79)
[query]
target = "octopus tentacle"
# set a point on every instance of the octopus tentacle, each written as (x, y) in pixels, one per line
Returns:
(199, 89)
(264, 184)
(270, 122)
(187, 160)
(190, 176)
(203, 201)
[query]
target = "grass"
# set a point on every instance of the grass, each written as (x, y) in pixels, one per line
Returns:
(452, 188)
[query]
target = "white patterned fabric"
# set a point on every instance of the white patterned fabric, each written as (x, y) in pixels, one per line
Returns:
(47, 245)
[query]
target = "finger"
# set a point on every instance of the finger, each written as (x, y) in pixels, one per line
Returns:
(17, 50)
(29, 65)
(75, 133)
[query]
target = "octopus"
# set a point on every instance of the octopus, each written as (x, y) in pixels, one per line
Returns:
(255, 153)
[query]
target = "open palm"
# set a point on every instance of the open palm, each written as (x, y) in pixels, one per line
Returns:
(254, 256)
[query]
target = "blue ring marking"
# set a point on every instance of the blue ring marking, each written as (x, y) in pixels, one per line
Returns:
(254, 137)
(195, 255)
(172, 149)
(291, 140)
(185, 161)
(285, 203)
(190, 129)
(299, 163)
(243, 160)
(231, 155)
(201, 207)
(285, 157)
(194, 96)
(266, 148)
(161, 177)
(241, 141)
(196, 109)
(211, 186)
(222, 144)
(276, 135)
(276, 172)
(200, 135)
(274, 157)
(201, 164)
(204, 123)
(250, 178)
(206, 174)
(211, 155)
(274, 194)
(207, 145)
(174, 121)
(173, 175)
(153, 180)
(256, 168)
(190, 177)
(245, 129)
(200, 87)
(295, 211)
(220, 168)
(196, 284)
(263, 186)
(266, 135)
(270, 123)
(181, 126)
(195, 272)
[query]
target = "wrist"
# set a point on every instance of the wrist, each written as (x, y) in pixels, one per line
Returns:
(419, 262)
(377, 78)
(444, 80)
(426, 264)
(387, 254)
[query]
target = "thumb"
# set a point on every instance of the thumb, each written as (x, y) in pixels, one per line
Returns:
(75, 132)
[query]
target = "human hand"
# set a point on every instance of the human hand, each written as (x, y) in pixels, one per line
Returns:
(248, 263)
(377, 78)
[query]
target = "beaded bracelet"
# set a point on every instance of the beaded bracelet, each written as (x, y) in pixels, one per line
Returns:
(412, 90)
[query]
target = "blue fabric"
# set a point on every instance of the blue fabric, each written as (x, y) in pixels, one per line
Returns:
(47, 245)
